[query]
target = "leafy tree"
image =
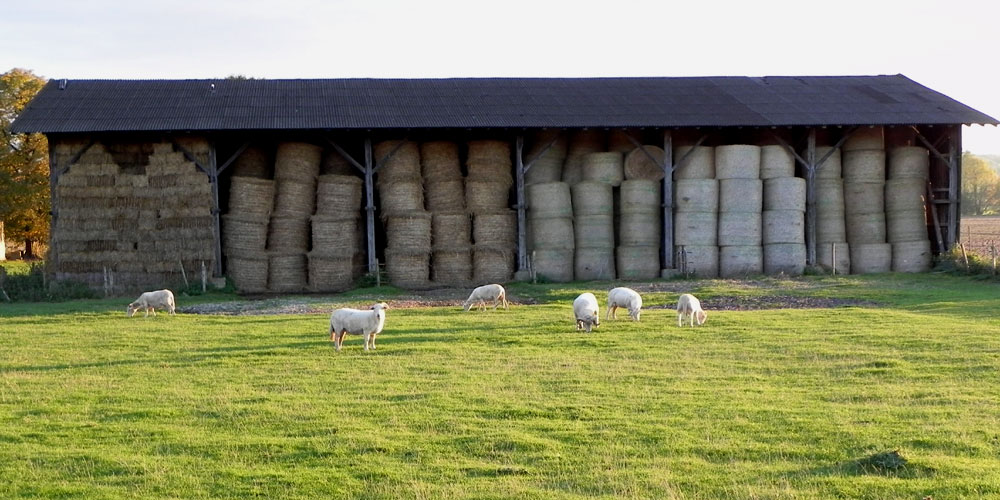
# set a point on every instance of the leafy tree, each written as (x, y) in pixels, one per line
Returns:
(980, 186)
(24, 165)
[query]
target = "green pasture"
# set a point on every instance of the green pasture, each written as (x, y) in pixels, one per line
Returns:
(760, 404)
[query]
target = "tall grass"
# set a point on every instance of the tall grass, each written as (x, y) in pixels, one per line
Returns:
(513, 404)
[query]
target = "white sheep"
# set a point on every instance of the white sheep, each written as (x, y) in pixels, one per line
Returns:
(368, 322)
(624, 297)
(688, 305)
(151, 301)
(586, 311)
(481, 294)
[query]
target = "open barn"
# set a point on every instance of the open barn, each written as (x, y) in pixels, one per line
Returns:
(306, 185)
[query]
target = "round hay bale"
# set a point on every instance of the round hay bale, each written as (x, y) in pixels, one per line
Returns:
(545, 169)
(696, 195)
(776, 162)
(640, 229)
(297, 161)
(452, 267)
(864, 165)
(864, 197)
(606, 167)
(407, 269)
(696, 228)
(396, 197)
(700, 260)
(498, 228)
(488, 152)
(492, 264)
(740, 261)
(909, 162)
(865, 138)
(486, 196)
(403, 165)
(253, 163)
(581, 144)
(783, 226)
(912, 256)
(785, 258)
(741, 195)
(251, 196)
(553, 264)
(542, 138)
(445, 195)
(700, 164)
(287, 272)
(638, 262)
(737, 161)
(740, 228)
(831, 227)
(335, 164)
(785, 193)
(869, 258)
(249, 272)
(295, 197)
(338, 195)
(244, 234)
(640, 196)
(834, 256)
(439, 161)
(551, 232)
(905, 225)
(865, 228)
(496, 173)
(333, 235)
(639, 165)
(623, 140)
(831, 168)
(593, 263)
(330, 273)
(829, 195)
(450, 230)
(905, 193)
(592, 198)
(549, 199)
(409, 230)
(594, 231)
(288, 233)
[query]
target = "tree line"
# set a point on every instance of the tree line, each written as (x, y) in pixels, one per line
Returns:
(24, 167)
(980, 186)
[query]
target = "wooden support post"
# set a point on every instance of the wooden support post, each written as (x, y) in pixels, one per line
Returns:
(667, 250)
(810, 172)
(522, 234)
(954, 184)
(370, 207)
(213, 177)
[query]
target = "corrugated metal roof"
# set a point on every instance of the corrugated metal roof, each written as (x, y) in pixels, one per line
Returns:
(231, 104)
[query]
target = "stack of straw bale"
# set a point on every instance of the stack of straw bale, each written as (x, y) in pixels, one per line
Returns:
(594, 230)
(783, 218)
(335, 233)
(905, 209)
(253, 162)
(551, 238)
(581, 144)
(296, 166)
(863, 171)
(639, 229)
(244, 232)
(832, 251)
(696, 212)
(737, 167)
(547, 165)
(407, 224)
(450, 228)
(487, 193)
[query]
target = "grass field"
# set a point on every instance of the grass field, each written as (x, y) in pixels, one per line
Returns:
(776, 403)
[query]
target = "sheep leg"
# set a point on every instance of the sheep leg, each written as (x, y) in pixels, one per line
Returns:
(368, 336)
(339, 339)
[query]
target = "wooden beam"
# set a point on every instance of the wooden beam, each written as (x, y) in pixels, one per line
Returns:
(687, 155)
(530, 162)
(346, 156)
(390, 154)
(213, 178)
(930, 147)
(810, 172)
(191, 158)
(667, 249)
(370, 207)
(234, 157)
(522, 234)
(954, 184)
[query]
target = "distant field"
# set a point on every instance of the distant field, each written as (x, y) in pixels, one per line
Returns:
(978, 233)
(808, 400)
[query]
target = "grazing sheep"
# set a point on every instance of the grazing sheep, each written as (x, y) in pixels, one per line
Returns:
(368, 322)
(480, 295)
(688, 305)
(586, 311)
(150, 301)
(624, 297)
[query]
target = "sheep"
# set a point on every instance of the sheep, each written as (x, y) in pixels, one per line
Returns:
(481, 294)
(150, 301)
(586, 311)
(624, 297)
(688, 305)
(368, 322)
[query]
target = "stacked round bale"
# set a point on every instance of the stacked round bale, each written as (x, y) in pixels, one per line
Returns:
(783, 218)
(551, 237)
(252, 162)
(487, 194)
(905, 212)
(407, 224)
(832, 250)
(737, 167)
(594, 230)
(696, 215)
(863, 165)
(639, 230)
(548, 164)
(581, 144)
(451, 258)
(244, 231)
(336, 242)
(296, 166)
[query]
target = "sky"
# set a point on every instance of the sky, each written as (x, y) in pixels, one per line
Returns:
(950, 47)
